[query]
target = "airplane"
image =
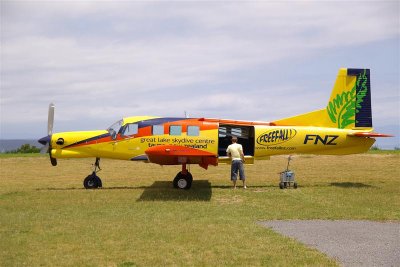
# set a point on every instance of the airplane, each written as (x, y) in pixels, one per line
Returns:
(343, 127)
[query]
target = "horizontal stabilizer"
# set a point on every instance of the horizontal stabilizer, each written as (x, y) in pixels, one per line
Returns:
(369, 134)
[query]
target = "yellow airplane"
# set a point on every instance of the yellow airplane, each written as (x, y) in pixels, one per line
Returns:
(343, 127)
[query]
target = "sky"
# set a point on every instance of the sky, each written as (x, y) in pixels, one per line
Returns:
(99, 61)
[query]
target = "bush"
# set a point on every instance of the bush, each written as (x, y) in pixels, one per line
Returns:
(26, 148)
(375, 148)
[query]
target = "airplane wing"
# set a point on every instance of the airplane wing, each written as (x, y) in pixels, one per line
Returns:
(177, 155)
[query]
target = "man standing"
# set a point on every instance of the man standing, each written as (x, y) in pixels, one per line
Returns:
(235, 151)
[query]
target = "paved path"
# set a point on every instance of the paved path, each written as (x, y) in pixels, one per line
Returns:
(351, 243)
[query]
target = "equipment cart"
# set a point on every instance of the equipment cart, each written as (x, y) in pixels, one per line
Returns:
(287, 177)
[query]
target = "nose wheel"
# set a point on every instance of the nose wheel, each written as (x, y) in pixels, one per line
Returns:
(92, 181)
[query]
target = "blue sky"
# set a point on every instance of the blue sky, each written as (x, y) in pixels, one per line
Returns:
(99, 61)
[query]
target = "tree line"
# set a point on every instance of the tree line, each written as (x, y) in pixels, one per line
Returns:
(26, 148)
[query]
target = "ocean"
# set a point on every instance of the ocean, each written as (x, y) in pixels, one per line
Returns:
(12, 144)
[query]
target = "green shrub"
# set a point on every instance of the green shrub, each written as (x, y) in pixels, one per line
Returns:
(375, 148)
(26, 148)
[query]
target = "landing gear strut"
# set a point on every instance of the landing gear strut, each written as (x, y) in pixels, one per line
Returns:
(183, 180)
(92, 181)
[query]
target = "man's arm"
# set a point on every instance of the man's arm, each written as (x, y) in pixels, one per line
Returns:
(228, 152)
(241, 154)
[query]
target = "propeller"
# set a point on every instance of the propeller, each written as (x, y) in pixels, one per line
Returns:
(50, 120)
(46, 141)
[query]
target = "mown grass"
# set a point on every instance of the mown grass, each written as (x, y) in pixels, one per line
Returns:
(25, 155)
(383, 151)
(22, 155)
(138, 219)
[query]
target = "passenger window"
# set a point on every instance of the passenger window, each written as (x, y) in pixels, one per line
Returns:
(158, 129)
(193, 130)
(236, 131)
(222, 132)
(175, 130)
(130, 129)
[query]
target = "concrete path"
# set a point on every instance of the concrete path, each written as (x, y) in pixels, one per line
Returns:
(351, 243)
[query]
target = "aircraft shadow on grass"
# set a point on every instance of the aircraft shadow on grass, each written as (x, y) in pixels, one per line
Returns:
(163, 191)
(159, 191)
(351, 185)
(83, 189)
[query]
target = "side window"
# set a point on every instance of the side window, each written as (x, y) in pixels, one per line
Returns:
(222, 132)
(175, 130)
(130, 129)
(158, 129)
(193, 130)
(236, 131)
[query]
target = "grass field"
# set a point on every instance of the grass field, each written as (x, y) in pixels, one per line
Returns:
(138, 219)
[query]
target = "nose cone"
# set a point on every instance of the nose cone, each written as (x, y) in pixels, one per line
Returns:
(45, 140)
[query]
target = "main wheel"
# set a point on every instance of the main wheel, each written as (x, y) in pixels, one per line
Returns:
(92, 181)
(183, 181)
(294, 185)
(281, 185)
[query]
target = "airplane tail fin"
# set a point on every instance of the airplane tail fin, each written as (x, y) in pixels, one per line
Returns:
(349, 106)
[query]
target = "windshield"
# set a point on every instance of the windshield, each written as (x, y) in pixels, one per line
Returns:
(114, 129)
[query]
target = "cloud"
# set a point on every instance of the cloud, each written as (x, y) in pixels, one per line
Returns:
(103, 60)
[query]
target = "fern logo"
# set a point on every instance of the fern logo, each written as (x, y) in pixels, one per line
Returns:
(343, 108)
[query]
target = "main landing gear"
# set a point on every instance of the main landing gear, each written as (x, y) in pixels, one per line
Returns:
(92, 181)
(183, 180)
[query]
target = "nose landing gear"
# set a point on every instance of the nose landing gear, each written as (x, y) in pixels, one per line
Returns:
(92, 181)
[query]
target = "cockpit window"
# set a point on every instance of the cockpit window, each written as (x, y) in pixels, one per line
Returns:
(114, 129)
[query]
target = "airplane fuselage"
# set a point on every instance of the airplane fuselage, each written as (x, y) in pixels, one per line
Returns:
(138, 138)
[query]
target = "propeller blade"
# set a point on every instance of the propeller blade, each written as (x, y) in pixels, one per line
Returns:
(50, 120)
(46, 141)
(45, 149)
(53, 161)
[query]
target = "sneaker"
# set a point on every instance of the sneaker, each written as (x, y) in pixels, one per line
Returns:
(244, 187)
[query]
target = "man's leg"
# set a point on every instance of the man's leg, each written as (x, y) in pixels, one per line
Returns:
(242, 175)
(234, 173)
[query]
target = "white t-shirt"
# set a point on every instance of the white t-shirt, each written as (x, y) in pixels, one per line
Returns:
(235, 150)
